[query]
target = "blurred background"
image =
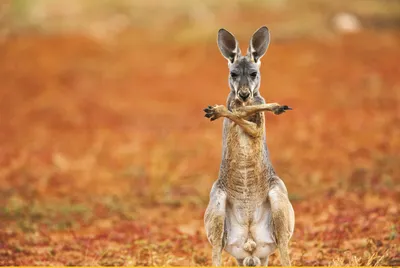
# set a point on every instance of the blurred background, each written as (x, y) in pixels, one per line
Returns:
(106, 157)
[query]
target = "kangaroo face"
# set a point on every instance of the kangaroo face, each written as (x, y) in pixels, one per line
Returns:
(244, 71)
(244, 79)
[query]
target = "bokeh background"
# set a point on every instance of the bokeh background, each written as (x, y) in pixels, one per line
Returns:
(106, 157)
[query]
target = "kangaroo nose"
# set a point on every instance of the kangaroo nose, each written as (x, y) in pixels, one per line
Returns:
(244, 94)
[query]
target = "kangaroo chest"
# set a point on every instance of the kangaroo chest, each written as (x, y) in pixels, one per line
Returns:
(245, 169)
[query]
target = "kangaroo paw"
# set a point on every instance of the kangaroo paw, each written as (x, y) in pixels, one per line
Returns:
(251, 261)
(214, 112)
(281, 109)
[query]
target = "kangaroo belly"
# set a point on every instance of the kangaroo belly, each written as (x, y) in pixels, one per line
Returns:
(249, 235)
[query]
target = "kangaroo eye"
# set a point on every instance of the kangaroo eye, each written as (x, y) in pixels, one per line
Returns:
(234, 75)
(253, 75)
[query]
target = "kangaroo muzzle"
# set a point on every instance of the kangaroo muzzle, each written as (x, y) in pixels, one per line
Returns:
(244, 93)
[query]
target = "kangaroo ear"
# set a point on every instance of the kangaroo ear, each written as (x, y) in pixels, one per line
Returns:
(228, 45)
(259, 43)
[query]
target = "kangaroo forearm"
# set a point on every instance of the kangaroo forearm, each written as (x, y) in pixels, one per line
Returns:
(246, 111)
(249, 127)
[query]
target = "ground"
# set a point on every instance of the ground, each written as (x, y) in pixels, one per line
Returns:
(106, 157)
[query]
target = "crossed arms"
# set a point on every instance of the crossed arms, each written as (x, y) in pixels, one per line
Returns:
(239, 114)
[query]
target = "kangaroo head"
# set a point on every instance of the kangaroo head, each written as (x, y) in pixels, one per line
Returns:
(244, 71)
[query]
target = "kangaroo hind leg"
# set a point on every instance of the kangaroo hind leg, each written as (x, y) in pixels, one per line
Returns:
(214, 220)
(282, 219)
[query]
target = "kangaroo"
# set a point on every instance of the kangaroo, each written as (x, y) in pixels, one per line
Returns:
(249, 213)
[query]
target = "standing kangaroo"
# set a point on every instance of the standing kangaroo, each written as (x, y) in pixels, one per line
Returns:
(249, 213)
